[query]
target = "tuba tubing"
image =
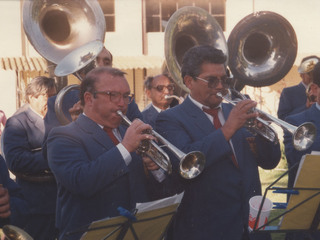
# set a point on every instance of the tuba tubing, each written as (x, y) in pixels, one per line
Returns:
(302, 136)
(191, 164)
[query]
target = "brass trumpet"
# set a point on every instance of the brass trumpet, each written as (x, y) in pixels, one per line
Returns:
(302, 136)
(191, 164)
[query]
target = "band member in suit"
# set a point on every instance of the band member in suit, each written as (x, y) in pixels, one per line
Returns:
(94, 159)
(215, 205)
(293, 99)
(156, 89)
(13, 207)
(312, 114)
(22, 142)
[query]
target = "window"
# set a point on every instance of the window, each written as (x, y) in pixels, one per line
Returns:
(158, 11)
(107, 7)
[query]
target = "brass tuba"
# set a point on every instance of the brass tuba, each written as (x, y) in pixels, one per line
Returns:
(57, 27)
(61, 31)
(188, 27)
(262, 49)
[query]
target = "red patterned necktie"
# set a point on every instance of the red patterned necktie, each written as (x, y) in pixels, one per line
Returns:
(217, 124)
(111, 135)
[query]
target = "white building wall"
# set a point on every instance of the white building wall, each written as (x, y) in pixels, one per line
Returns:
(127, 39)
(10, 28)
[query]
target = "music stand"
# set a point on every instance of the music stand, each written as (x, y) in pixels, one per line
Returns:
(302, 212)
(149, 224)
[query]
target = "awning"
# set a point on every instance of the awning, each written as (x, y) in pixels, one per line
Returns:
(40, 64)
(23, 64)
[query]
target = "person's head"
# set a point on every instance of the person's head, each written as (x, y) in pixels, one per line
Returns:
(103, 92)
(204, 72)
(306, 68)
(157, 88)
(316, 80)
(38, 91)
(104, 59)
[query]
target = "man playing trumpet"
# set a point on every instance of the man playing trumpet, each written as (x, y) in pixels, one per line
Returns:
(93, 158)
(157, 88)
(215, 205)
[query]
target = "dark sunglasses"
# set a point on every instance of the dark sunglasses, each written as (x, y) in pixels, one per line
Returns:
(214, 81)
(160, 88)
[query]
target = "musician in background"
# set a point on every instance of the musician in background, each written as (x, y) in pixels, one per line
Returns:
(312, 114)
(13, 207)
(215, 205)
(157, 88)
(293, 99)
(94, 159)
(22, 142)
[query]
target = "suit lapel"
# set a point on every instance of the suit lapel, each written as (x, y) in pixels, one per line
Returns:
(200, 118)
(35, 119)
(96, 132)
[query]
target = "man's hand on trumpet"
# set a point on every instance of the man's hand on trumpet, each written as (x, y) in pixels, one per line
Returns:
(136, 133)
(238, 117)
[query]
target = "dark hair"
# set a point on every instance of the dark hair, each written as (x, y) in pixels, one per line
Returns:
(148, 82)
(196, 56)
(316, 74)
(309, 57)
(38, 86)
(88, 84)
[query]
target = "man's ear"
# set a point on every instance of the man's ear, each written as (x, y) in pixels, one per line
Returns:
(88, 98)
(188, 80)
(148, 92)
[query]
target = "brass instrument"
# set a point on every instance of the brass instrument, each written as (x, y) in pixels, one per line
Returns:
(70, 34)
(56, 27)
(262, 49)
(191, 164)
(302, 136)
(188, 27)
(179, 99)
(14, 233)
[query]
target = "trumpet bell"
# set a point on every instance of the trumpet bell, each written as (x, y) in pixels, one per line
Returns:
(304, 136)
(14, 233)
(262, 48)
(56, 27)
(188, 27)
(192, 165)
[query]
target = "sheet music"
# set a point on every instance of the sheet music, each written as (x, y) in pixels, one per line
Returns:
(142, 207)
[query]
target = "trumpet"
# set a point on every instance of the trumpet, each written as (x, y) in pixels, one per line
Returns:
(180, 100)
(302, 136)
(191, 164)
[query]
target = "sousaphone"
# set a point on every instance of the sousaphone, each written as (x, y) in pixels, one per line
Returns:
(57, 27)
(188, 27)
(262, 49)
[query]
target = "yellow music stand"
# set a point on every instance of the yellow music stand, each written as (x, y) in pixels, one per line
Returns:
(148, 224)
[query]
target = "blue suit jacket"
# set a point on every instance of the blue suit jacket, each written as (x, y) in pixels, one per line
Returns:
(292, 100)
(18, 205)
(216, 203)
(92, 177)
(312, 114)
(22, 141)
(149, 115)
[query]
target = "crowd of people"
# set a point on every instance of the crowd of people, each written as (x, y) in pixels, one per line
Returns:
(68, 176)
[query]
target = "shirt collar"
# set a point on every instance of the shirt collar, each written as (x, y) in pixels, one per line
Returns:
(198, 104)
(158, 109)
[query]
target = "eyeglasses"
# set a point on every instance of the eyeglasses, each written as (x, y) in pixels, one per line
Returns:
(160, 88)
(115, 97)
(214, 81)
